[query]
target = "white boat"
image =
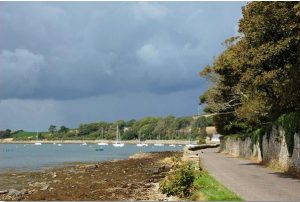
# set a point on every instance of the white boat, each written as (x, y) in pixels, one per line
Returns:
(59, 145)
(118, 143)
(191, 145)
(102, 143)
(84, 143)
(172, 145)
(158, 144)
(37, 138)
(141, 144)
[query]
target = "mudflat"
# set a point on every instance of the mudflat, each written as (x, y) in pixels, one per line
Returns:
(135, 178)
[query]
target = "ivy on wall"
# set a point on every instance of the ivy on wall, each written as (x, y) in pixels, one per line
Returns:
(291, 125)
(289, 122)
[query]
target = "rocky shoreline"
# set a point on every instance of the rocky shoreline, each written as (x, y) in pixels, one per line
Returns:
(135, 178)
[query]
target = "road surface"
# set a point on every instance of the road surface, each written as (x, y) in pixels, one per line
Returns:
(249, 180)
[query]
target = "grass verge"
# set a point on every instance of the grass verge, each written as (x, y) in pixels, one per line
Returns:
(207, 188)
(187, 181)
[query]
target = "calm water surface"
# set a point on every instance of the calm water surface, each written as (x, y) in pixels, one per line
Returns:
(30, 157)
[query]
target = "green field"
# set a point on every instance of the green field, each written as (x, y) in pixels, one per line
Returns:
(26, 134)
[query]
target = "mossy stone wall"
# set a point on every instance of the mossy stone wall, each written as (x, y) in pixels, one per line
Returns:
(271, 148)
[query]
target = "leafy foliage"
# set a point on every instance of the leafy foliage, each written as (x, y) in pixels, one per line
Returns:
(257, 78)
(291, 125)
(52, 129)
(179, 181)
(6, 133)
(63, 129)
(185, 181)
(168, 127)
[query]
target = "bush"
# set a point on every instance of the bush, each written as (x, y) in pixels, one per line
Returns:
(179, 181)
(201, 140)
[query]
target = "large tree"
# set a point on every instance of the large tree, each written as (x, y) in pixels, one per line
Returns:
(257, 77)
(52, 129)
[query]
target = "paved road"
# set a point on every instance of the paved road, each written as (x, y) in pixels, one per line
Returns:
(250, 181)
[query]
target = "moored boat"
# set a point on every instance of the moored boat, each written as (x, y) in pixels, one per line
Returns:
(102, 143)
(37, 138)
(118, 142)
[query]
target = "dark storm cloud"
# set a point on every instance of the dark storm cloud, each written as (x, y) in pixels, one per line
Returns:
(68, 50)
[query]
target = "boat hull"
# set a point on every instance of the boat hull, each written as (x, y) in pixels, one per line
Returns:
(190, 145)
(142, 145)
(118, 145)
(102, 144)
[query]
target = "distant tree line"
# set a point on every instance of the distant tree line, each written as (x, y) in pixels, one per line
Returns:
(168, 128)
(8, 133)
(165, 128)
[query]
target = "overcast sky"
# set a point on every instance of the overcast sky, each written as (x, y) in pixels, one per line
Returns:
(66, 63)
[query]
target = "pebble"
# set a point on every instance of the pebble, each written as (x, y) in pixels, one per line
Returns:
(3, 191)
(155, 171)
(14, 192)
(53, 175)
(148, 185)
(38, 184)
(44, 188)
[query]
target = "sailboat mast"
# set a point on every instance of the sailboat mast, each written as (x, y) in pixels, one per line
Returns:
(140, 136)
(117, 132)
(191, 135)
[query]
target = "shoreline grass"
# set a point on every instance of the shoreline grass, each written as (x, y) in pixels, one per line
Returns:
(188, 181)
(207, 188)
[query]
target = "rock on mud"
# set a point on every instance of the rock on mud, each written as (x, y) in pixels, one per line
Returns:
(44, 188)
(14, 192)
(3, 191)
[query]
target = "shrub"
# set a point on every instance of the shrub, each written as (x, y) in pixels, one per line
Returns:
(201, 140)
(291, 125)
(179, 181)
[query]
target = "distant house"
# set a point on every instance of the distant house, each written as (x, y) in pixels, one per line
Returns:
(216, 138)
(210, 130)
(126, 129)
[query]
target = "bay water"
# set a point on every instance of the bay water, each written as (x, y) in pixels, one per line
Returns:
(30, 157)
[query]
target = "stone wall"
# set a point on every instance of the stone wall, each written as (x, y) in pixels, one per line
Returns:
(237, 147)
(273, 152)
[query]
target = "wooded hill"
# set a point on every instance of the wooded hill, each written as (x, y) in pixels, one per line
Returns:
(167, 128)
